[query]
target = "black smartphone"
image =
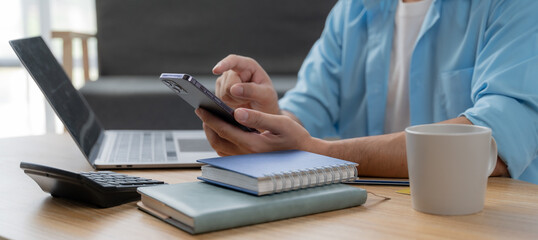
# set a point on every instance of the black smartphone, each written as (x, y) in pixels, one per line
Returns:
(198, 96)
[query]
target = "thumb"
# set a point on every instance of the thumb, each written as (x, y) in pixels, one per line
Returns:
(259, 120)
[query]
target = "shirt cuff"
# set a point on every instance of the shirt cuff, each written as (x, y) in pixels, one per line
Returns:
(514, 127)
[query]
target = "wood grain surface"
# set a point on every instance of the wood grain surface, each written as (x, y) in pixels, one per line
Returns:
(26, 212)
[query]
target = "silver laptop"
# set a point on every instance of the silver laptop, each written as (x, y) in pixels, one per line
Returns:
(107, 149)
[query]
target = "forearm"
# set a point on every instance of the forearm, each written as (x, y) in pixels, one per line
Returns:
(379, 156)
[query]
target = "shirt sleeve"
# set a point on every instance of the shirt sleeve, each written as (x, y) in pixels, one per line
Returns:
(314, 100)
(505, 83)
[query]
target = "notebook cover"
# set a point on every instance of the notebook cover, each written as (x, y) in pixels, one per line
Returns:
(229, 186)
(259, 165)
(165, 218)
(214, 208)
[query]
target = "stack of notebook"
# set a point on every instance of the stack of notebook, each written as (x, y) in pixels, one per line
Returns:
(248, 189)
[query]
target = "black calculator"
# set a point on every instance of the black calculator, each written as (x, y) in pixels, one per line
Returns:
(101, 188)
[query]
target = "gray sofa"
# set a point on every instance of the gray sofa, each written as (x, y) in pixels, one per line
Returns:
(139, 39)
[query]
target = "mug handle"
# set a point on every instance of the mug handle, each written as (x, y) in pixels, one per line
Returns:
(493, 156)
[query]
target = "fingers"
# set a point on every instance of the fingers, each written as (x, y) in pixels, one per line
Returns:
(248, 69)
(223, 83)
(223, 89)
(281, 132)
(237, 93)
(244, 83)
(222, 146)
(235, 63)
(240, 142)
(252, 91)
(233, 91)
(259, 120)
(223, 129)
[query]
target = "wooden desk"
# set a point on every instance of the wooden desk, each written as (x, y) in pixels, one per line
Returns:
(511, 210)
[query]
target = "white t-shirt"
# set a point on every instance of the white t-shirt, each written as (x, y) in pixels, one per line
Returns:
(407, 24)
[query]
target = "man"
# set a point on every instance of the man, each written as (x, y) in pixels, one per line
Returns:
(382, 65)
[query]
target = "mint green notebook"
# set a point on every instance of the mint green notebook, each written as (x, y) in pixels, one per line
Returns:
(199, 207)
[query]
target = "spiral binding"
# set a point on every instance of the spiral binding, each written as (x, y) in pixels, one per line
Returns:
(337, 173)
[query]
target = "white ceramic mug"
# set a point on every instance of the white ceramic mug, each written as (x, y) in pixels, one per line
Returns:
(449, 165)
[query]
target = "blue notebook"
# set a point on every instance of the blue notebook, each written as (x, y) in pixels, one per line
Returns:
(275, 172)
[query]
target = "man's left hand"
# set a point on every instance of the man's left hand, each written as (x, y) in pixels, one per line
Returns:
(280, 133)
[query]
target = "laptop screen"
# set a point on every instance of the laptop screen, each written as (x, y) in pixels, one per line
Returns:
(69, 105)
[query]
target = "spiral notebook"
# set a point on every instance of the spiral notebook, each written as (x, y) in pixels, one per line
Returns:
(275, 172)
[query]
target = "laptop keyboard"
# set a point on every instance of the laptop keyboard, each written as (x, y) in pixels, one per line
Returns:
(143, 147)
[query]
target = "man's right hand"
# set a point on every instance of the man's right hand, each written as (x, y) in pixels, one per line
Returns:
(244, 83)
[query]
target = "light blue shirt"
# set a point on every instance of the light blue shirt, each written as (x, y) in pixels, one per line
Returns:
(477, 59)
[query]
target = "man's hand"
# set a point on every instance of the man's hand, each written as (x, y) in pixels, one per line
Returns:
(282, 133)
(244, 83)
